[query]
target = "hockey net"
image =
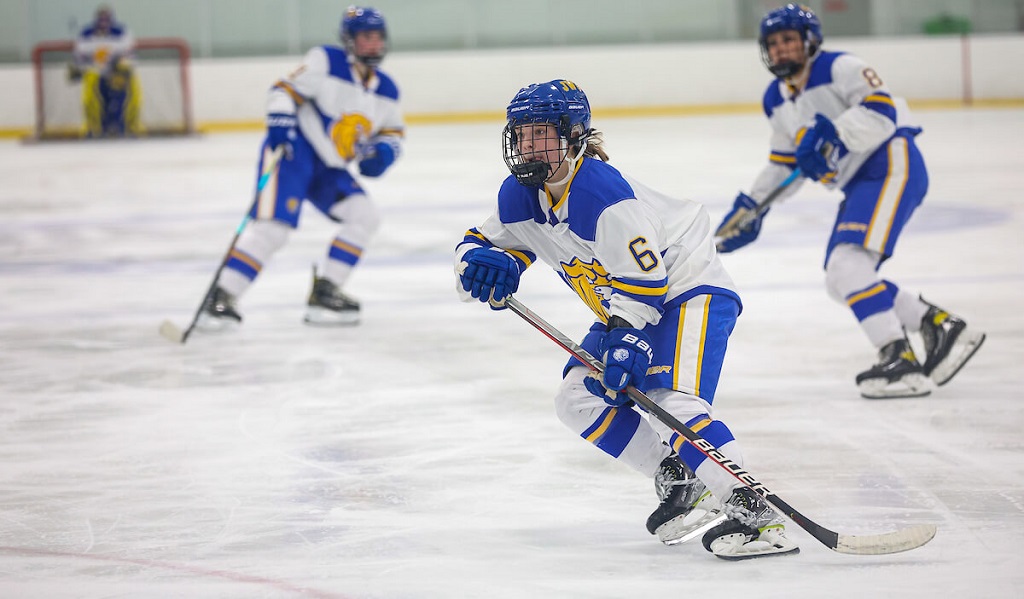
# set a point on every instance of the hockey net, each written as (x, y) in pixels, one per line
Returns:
(161, 65)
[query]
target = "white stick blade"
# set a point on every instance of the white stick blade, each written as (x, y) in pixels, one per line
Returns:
(171, 332)
(892, 542)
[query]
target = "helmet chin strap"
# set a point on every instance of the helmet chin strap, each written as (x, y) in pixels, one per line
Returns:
(570, 161)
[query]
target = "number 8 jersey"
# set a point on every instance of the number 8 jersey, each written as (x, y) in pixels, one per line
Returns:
(850, 93)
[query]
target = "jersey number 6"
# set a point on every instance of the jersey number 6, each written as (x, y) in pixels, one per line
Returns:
(646, 259)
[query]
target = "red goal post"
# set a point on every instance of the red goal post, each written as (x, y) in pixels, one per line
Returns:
(161, 64)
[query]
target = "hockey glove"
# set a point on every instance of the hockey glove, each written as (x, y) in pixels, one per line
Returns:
(378, 160)
(616, 399)
(817, 150)
(281, 131)
(489, 275)
(627, 353)
(741, 226)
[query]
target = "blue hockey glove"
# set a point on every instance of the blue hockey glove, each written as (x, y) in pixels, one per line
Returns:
(490, 275)
(378, 160)
(281, 131)
(627, 353)
(741, 226)
(616, 399)
(816, 153)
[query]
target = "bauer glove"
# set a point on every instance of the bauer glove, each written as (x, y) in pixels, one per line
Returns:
(740, 226)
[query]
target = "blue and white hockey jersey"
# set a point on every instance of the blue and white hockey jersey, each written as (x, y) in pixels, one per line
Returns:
(847, 91)
(625, 249)
(337, 113)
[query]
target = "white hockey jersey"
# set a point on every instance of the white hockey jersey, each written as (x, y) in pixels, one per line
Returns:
(100, 51)
(847, 91)
(625, 249)
(339, 114)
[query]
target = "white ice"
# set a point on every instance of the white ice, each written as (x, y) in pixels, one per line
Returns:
(418, 455)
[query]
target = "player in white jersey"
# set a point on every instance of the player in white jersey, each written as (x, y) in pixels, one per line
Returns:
(111, 95)
(646, 265)
(834, 119)
(337, 109)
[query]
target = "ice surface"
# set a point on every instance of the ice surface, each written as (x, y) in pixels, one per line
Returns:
(418, 455)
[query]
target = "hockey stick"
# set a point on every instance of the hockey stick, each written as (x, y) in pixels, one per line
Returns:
(170, 330)
(891, 542)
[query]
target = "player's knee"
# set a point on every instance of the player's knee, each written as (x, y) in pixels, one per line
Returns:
(358, 211)
(268, 235)
(850, 268)
(574, 405)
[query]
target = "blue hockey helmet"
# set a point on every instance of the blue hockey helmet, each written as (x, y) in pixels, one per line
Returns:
(791, 17)
(358, 19)
(560, 103)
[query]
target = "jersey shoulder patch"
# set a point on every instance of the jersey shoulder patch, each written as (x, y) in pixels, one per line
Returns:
(387, 87)
(772, 98)
(596, 186)
(516, 202)
(337, 63)
(821, 70)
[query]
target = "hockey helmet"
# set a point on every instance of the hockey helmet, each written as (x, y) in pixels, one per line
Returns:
(560, 103)
(791, 17)
(356, 20)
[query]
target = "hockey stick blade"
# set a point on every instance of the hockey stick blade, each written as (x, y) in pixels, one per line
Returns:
(172, 332)
(879, 544)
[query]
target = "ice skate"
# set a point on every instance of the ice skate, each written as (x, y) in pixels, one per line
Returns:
(328, 306)
(219, 312)
(948, 344)
(687, 507)
(753, 529)
(897, 374)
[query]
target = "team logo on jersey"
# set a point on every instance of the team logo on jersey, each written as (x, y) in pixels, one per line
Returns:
(348, 132)
(590, 281)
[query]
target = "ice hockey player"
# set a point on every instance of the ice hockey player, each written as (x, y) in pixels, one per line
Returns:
(337, 109)
(111, 95)
(646, 265)
(834, 119)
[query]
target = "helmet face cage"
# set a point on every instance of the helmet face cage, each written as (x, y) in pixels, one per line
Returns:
(560, 104)
(792, 17)
(356, 20)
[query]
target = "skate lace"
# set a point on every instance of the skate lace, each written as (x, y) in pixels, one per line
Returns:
(748, 511)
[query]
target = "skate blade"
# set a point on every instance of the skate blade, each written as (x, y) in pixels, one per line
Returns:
(322, 317)
(963, 350)
(689, 526)
(914, 385)
(212, 324)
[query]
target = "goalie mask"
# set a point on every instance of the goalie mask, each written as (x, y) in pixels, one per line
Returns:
(356, 20)
(548, 123)
(792, 17)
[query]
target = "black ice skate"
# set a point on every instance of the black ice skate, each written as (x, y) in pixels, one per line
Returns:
(897, 374)
(753, 529)
(947, 343)
(328, 306)
(687, 507)
(219, 312)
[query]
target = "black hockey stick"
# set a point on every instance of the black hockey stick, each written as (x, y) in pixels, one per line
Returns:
(891, 542)
(170, 330)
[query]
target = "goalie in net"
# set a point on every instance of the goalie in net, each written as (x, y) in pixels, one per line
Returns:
(102, 61)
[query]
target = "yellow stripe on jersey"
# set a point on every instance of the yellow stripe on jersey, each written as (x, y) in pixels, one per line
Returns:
(555, 205)
(522, 256)
(284, 85)
(853, 299)
(880, 98)
(781, 158)
(638, 290)
(392, 131)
